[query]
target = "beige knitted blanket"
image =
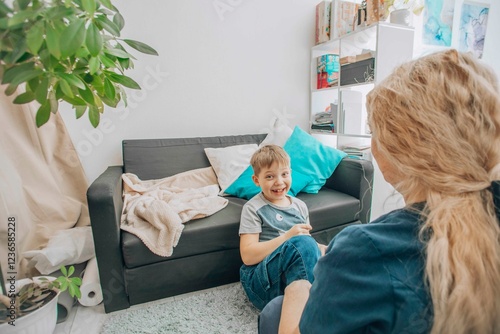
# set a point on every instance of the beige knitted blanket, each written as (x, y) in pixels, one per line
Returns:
(155, 210)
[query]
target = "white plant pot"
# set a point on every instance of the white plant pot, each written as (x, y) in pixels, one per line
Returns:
(41, 321)
(401, 16)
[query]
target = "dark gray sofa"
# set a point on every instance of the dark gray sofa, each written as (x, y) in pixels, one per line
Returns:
(207, 254)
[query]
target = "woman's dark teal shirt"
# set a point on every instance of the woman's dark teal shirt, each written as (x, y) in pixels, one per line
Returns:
(371, 280)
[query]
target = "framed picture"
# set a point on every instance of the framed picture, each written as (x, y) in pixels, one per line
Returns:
(473, 24)
(438, 22)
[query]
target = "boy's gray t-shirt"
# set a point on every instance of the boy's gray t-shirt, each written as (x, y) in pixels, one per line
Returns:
(261, 216)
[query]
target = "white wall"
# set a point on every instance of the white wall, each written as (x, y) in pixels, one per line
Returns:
(225, 67)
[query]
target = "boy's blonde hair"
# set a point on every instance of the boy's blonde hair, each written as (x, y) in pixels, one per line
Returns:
(267, 155)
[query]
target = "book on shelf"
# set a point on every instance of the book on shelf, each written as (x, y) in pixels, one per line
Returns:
(362, 151)
(366, 54)
(376, 11)
(323, 11)
(344, 18)
(328, 67)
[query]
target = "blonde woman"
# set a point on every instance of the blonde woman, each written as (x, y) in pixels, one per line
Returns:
(433, 266)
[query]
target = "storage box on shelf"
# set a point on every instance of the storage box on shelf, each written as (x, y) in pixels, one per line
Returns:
(366, 56)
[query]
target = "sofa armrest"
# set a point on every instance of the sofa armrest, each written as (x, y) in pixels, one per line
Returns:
(354, 177)
(105, 203)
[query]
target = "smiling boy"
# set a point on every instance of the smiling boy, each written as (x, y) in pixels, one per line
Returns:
(276, 247)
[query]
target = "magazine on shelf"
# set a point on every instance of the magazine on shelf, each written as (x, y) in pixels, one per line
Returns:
(328, 67)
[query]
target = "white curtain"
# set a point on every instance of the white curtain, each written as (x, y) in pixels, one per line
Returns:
(42, 182)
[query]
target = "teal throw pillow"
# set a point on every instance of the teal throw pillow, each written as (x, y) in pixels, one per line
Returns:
(311, 157)
(244, 187)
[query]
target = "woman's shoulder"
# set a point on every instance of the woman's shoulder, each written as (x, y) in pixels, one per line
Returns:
(397, 228)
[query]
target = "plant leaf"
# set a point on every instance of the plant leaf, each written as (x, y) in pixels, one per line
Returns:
(4, 22)
(11, 73)
(79, 111)
(72, 38)
(52, 39)
(94, 65)
(106, 3)
(141, 47)
(107, 62)
(11, 89)
(119, 21)
(24, 98)
(89, 6)
(23, 3)
(64, 284)
(34, 37)
(72, 79)
(123, 80)
(71, 269)
(18, 51)
(64, 271)
(76, 281)
(117, 53)
(42, 90)
(93, 41)
(32, 84)
(94, 116)
(25, 76)
(111, 102)
(20, 17)
(108, 25)
(109, 89)
(87, 95)
(65, 87)
(43, 114)
(75, 101)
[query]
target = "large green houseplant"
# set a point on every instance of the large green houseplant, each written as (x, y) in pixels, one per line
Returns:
(66, 50)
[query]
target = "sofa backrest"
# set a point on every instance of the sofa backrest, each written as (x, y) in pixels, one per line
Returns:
(158, 158)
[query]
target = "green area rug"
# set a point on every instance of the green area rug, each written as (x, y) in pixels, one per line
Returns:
(225, 309)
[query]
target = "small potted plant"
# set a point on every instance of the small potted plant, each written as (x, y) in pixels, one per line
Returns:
(33, 307)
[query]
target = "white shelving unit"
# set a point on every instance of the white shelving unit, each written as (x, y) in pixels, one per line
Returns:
(391, 45)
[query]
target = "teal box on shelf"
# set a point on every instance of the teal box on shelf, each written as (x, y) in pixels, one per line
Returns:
(358, 72)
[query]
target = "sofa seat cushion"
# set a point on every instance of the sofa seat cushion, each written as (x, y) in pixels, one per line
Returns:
(213, 233)
(321, 205)
(220, 230)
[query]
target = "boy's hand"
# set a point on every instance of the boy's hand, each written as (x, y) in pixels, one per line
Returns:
(298, 229)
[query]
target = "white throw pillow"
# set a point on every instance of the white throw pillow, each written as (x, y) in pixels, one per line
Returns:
(278, 135)
(229, 162)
